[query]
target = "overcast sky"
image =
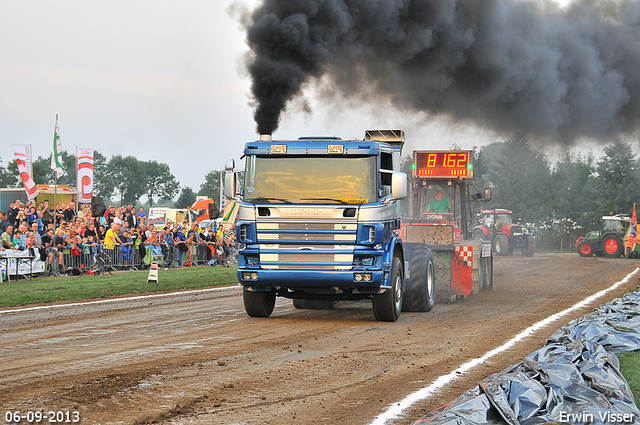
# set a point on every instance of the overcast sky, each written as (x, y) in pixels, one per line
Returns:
(158, 80)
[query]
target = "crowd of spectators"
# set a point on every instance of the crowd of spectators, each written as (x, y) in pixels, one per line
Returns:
(65, 238)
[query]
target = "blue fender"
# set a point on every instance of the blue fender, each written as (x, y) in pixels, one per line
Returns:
(395, 244)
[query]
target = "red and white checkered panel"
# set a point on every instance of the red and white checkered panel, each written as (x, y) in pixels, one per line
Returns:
(465, 254)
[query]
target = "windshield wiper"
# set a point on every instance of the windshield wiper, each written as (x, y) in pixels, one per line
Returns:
(340, 201)
(261, 199)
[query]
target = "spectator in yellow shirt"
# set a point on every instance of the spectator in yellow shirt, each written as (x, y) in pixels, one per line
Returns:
(111, 238)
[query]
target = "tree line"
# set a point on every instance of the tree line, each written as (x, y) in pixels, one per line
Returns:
(121, 179)
(559, 201)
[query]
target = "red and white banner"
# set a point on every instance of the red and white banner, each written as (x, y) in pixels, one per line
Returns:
(23, 159)
(85, 174)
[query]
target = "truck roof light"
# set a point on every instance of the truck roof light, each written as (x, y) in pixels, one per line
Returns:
(278, 148)
(335, 149)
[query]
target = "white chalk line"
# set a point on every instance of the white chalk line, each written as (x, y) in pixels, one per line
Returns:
(396, 410)
(114, 300)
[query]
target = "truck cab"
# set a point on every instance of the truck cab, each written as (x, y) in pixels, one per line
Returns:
(318, 222)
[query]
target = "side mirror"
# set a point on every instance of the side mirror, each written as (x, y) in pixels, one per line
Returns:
(230, 184)
(230, 165)
(399, 185)
(487, 194)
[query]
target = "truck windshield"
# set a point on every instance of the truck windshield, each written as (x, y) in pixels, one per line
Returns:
(314, 180)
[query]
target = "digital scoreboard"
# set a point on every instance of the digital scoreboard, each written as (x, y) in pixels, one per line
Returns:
(443, 164)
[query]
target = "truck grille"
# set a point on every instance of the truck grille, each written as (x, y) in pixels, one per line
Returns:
(306, 226)
(306, 246)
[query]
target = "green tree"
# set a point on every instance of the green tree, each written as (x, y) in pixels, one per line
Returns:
(42, 172)
(522, 179)
(103, 183)
(128, 177)
(9, 177)
(211, 185)
(573, 189)
(186, 198)
(572, 192)
(618, 179)
(70, 166)
(159, 181)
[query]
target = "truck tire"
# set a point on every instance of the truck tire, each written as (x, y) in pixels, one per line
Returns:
(612, 246)
(259, 303)
(486, 264)
(501, 245)
(312, 304)
(388, 305)
(585, 248)
(529, 246)
(490, 273)
(419, 291)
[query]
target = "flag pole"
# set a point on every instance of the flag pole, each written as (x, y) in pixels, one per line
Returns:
(55, 187)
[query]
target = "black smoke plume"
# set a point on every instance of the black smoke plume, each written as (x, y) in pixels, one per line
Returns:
(507, 65)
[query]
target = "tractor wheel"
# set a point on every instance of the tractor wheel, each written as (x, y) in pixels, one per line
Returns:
(501, 245)
(612, 246)
(585, 248)
(478, 235)
(529, 246)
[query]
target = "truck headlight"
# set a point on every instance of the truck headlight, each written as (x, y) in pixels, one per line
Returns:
(363, 277)
(249, 276)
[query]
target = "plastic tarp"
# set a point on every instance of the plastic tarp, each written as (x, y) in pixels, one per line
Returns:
(574, 378)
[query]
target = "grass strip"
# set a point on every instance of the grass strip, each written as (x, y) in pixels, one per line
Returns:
(630, 368)
(44, 289)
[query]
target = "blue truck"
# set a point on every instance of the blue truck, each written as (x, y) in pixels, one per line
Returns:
(318, 223)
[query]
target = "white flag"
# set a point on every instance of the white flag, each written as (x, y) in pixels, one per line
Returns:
(56, 158)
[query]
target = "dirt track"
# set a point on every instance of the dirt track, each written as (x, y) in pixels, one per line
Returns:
(197, 358)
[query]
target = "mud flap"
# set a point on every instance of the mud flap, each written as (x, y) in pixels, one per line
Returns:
(462, 270)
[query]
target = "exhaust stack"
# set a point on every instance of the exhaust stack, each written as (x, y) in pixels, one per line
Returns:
(265, 138)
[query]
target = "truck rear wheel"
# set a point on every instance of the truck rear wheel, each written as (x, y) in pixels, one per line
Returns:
(612, 246)
(419, 291)
(388, 305)
(312, 304)
(259, 303)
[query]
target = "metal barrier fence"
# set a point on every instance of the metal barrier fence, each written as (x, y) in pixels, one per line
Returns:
(124, 257)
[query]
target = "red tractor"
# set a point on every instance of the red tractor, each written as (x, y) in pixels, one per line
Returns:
(505, 235)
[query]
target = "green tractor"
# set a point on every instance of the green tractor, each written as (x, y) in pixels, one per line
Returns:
(608, 241)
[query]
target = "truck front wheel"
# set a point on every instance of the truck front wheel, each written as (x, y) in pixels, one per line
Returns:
(259, 303)
(387, 306)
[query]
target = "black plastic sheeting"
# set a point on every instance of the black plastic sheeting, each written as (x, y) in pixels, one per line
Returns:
(574, 378)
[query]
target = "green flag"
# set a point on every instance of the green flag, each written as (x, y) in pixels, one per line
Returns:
(56, 158)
